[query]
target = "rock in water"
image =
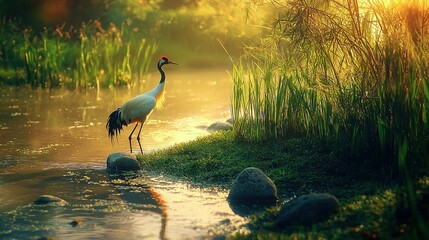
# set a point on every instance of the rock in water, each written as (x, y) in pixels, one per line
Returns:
(219, 126)
(121, 162)
(76, 222)
(251, 186)
(49, 199)
(308, 209)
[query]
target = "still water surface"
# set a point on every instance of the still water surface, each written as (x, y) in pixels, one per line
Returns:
(55, 142)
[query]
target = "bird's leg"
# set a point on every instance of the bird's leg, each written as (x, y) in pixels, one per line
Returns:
(129, 137)
(138, 138)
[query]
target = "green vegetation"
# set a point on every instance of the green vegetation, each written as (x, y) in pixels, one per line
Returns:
(342, 73)
(350, 74)
(297, 166)
(87, 57)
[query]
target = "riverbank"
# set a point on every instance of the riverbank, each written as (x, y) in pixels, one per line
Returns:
(297, 166)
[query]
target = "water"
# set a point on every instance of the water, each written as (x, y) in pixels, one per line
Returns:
(55, 142)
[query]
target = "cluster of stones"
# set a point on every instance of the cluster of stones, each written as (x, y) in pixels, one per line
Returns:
(253, 186)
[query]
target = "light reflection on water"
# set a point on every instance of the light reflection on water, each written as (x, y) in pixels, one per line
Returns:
(55, 142)
(147, 206)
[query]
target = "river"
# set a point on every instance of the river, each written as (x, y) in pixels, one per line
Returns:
(55, 142)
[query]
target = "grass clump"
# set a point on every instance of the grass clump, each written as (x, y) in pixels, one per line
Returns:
(298, 165)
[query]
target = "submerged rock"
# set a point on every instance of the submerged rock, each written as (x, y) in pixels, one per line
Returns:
(121, 162)
(308, 209)
(219, 126)
(49, 199)
(251, 186)
(76, 222)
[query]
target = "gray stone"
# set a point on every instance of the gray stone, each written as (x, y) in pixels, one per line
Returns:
(219, 126)
(251, 186)
(307, 209)
(120, 162)
(51, 200)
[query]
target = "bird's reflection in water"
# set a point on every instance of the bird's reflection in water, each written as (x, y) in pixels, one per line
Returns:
(138, 194)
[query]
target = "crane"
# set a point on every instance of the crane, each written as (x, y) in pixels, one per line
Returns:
(138, 109)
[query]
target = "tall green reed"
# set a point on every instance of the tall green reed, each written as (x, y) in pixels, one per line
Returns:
(269, 101)
(42, 63)
(353, 73)
(345, 73)
(88, 57)
(111, 57)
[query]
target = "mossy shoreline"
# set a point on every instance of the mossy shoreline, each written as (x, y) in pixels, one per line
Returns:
(298, 165)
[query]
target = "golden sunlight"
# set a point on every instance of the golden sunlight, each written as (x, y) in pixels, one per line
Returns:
(322, 103)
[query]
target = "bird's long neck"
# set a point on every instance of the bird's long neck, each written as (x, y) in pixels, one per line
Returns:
(162, 73)
(158, 91)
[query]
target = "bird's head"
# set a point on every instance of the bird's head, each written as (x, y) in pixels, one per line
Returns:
(164, 60)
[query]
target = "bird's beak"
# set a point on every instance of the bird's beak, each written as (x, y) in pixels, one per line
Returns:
(171, 62)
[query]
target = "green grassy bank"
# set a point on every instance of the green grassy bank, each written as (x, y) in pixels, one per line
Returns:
(297, 166)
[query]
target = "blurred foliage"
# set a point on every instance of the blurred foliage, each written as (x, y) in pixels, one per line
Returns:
(41, 40)
(38, 14)
(181, 20)
(87, 57)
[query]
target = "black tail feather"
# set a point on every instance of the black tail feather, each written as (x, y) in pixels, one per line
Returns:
(114, 123)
